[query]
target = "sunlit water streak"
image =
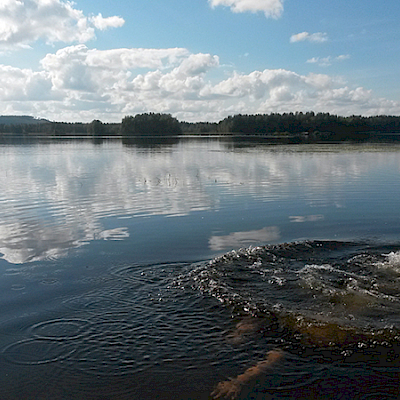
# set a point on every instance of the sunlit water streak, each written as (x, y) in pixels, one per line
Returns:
(102, 293)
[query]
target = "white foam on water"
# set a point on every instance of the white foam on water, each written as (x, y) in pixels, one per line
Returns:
(394, 259)
(392, 262)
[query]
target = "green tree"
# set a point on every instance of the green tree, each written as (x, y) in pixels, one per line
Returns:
(150, 125)
(96, 128)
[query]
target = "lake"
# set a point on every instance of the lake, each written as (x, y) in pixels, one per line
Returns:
(158, 270)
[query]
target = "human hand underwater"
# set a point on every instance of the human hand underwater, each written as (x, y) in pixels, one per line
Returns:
(231, 389)
(227, 390)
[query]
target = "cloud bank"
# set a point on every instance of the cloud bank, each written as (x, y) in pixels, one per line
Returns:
(26, 21)
(79, 84)
(271, 8)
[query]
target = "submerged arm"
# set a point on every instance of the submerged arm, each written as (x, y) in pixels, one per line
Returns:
(232, 388)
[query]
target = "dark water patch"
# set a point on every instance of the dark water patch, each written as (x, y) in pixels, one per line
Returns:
(174, 331)
(133, 337)
(106, 349)
(94, 303)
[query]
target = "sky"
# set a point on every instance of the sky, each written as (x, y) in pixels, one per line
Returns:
(198, 60)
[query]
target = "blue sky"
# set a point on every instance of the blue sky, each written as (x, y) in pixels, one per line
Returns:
(198, 60)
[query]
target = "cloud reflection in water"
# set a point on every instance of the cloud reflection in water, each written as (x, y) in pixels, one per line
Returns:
(58, 196)
(244, 239)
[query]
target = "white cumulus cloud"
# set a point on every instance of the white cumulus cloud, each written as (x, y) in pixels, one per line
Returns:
(318, 37)
(327, 61)
(25, 21)
(104, 23)
(271, 8)
(24, 84)
(80, 84)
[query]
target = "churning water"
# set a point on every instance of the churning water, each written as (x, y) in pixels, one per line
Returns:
(157, 271)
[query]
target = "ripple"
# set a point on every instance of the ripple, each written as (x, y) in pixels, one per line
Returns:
(12, 271)
(37, 351)
(60, 329)
(49, 281)
(150, 274)
(94, 303)
(17, 287)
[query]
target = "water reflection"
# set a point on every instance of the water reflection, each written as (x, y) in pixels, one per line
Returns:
(150, 142)
(58, 196)
(306, 218)
(25, 241)
(244, 239)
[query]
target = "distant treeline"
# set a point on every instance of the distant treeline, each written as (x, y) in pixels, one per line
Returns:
(47, 128)
(321, 125)
(305, 126)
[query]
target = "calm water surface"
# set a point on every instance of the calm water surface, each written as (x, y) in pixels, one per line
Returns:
(156, 271)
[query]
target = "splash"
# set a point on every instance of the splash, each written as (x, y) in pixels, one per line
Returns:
(316, 293)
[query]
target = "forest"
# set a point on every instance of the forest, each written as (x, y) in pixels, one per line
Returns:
(309, 127)
(321, 126)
